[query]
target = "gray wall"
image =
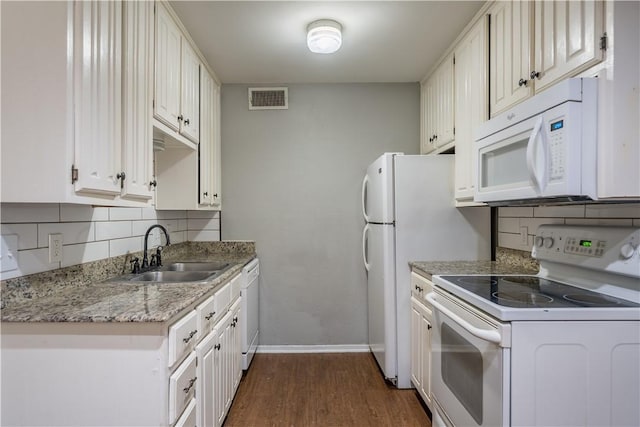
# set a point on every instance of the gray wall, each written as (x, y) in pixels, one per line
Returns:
(291, 181)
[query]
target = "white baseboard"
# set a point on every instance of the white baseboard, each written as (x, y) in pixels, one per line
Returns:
(345, 348)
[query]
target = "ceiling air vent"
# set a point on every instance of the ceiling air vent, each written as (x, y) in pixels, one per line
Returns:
(268, 98)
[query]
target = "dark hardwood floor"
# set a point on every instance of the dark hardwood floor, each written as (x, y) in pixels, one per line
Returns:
(325, 389)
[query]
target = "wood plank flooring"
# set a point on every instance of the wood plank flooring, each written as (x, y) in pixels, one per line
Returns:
(326, 389)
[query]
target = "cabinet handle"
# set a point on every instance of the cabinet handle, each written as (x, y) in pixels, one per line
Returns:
(210, 315)
(522, 82)
(235, 319)
(121, 176)
(153, 183)
(428, 327)
(431, 139)
(192, 381)
(418, 288)
(535, 75)
(205, 194)
(186, 122)
(217, 346)
(215, 195)
(191, 335)
(180, 118)
(435, 137)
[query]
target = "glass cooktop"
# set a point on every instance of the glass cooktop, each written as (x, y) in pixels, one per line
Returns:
(534, 292)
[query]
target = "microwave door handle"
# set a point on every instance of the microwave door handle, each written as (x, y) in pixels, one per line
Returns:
(531, 149)
(491, 336)
(365, 244)
(364, 202)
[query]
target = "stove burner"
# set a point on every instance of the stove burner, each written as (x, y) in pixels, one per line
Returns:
(527, 298)
(477, 280)
(591, 299)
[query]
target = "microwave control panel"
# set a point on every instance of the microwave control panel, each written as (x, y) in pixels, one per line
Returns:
(557, 150)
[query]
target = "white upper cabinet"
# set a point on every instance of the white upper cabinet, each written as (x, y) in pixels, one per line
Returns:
(167, 69)
(437, 108)
(177, 79)
(209, 164)
(98, 96)
(567, 39)
(536, 44)
(511, 55)
(79, 71)
(471, 107)
(137, 153)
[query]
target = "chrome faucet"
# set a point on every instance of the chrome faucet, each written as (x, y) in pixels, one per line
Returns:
(158, 259)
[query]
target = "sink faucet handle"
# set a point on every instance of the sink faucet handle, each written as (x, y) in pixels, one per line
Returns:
(153, 260)
(135, 269)
(158, 256)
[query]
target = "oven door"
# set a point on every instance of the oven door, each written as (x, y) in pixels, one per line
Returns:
(470, 364)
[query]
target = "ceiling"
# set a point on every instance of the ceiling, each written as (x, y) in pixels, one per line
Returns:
(265, 41)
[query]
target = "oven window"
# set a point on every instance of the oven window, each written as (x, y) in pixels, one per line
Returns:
(462, 371)
(505, 165)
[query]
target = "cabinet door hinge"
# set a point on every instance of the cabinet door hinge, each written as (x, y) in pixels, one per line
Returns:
(74, 174)
(454, 130)
(603, 42)
(454, 60)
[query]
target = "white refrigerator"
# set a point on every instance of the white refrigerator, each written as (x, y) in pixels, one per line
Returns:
(409, 209)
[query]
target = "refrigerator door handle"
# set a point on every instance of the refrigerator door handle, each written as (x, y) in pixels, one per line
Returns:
(365, 244)
(364, 198)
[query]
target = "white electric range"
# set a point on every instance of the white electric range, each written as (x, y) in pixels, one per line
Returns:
(558, 348)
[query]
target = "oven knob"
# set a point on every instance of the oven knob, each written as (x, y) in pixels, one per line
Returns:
(539, 241)
(548, 242)
(627, 250)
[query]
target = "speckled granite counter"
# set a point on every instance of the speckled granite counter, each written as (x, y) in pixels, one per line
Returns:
(78, 293)
(508, 262)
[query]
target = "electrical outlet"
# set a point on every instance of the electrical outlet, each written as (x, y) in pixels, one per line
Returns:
(524, 238)
(55, 247)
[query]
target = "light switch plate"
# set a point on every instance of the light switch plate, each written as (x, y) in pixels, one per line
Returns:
(9, 252)
(55, 247)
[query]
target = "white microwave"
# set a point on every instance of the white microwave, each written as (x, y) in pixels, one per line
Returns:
(542, 150)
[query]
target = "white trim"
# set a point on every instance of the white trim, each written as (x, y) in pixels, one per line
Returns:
(344, 348)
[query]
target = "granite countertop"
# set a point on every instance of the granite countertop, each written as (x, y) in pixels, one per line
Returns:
(508, 262)
(80, 294)
(429, 269)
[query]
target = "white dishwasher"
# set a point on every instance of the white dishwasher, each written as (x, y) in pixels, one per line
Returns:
(249, 312)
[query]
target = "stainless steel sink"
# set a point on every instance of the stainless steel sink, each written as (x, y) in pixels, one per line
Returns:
(174, 276)
(198, 266)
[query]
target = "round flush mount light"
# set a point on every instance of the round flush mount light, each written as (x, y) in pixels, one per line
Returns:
(324, 36)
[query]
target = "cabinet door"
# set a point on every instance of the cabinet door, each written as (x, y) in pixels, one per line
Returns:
(567, 36)
(237, 349)
(190, 93)
(425, 353)
(470, 105)
(216, 185)
(429, 115)
(416, 361)
(167, 78)
(444, 103)
(98, 96)
(510, 54)
(137, 150)
(206, 383)
(206, 149)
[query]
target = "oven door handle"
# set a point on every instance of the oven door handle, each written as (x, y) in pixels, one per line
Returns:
(483, 334)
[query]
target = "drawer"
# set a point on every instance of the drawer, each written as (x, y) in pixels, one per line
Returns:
(182, 386)
(188, 417)
(182, 336)
(222, 300)
(207, 316)
(420, 286)
(236, 285)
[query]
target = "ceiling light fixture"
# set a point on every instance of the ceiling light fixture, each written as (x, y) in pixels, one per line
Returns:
(324, 36)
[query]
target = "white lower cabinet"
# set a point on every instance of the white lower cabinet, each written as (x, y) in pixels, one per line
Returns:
(421, 317)
(124, 373)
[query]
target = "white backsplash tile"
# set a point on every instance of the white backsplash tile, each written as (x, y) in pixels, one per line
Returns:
(124, 246)
(123, 214)
(516, 212)
(149, 213)
(141, 227)
(27, 234)
(35, 261)
(203, 214)
(203, 236)
(76, 213)
(203, 224)
(29, 212)
(171, 214)
(572, 211)
(72, 232)
(85, 252)
(509, 225)
(618, 222)
(113, 230)
(628, 210)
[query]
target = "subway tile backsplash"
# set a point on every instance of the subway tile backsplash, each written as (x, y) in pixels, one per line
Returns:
(91, 233)
(517, 225)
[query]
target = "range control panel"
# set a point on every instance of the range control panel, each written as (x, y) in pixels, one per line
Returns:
(611, 249)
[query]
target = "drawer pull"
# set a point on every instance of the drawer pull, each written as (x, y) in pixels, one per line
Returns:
(418, 288)
(191, 335)
(210, 315)
(217, 346)
(188, 388)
